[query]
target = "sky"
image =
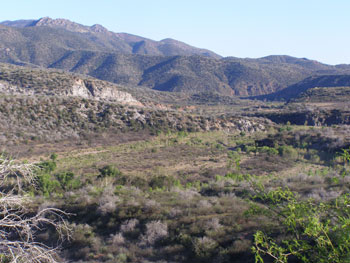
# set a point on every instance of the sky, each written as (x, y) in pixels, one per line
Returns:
(315, 29)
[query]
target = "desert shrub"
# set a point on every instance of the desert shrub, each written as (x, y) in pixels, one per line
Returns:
(248, 148)
(129, 225)
(235, 177)
(117, 239)
(68, 181)
(320, 194)
(175, 212)
(268, 150)
(288, 152)
(212, 224)
(204, 247)
(204, 204)
(234, 160)
(185, 194)
(155, 231)
(313, 156)
(47, 184)
(47, 166)
(84, 241)
(107, 201)
(108, 171)
(53, 157)
(162, 182)
(241, 245)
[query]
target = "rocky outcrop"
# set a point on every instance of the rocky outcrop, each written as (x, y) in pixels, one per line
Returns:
(33, 82)
(81, 88)
(91, 90)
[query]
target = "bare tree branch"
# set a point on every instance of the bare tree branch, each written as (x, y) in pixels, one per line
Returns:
(18, 227)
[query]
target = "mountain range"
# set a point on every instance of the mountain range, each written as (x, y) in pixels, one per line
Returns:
(166, 65)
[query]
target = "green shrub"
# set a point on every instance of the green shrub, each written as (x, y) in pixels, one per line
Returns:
(317, 232)
(268, 150)
(109, 171)
(48, 184)
(67, 181)
(53, 157)
(288, 151)
(47, 166)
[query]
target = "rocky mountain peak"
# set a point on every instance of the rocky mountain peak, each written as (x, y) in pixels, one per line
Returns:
(69, 25)
(98, 29)
(61, 23)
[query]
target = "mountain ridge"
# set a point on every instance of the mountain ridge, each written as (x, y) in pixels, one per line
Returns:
(132, 60)
(166, 47)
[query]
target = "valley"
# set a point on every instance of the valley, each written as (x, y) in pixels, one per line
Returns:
(158, 151)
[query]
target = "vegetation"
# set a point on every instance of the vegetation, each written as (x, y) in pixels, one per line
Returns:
(172, 177)
(191, 197)
(318, 231)
(20, 223)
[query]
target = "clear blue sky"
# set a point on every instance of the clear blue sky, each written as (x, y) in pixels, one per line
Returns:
(316, 29)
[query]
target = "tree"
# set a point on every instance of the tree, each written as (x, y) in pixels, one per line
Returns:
(18, 225)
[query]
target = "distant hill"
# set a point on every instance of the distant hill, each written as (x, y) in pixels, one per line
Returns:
(18, 23)
(307, 87)
(324, 95)
(166, 65)
(99, 38)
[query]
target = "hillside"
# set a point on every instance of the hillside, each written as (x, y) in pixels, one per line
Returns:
(166, 65)
(33, 82)
(45, 107)
(299, 89)
(324, 95)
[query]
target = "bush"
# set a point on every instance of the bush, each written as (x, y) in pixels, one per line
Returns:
(288, 152)
(160, 182)
(155, 230)
(109, 171)
(47, 166)
(67, 181)
(268, 150)
(313, 231)
(204, 247)
(48, 184)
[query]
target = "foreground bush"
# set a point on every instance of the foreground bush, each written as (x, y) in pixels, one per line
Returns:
(313, 231)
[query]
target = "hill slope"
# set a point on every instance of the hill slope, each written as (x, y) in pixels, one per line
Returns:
(40, 105)
(16, 80)
(300, 88)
